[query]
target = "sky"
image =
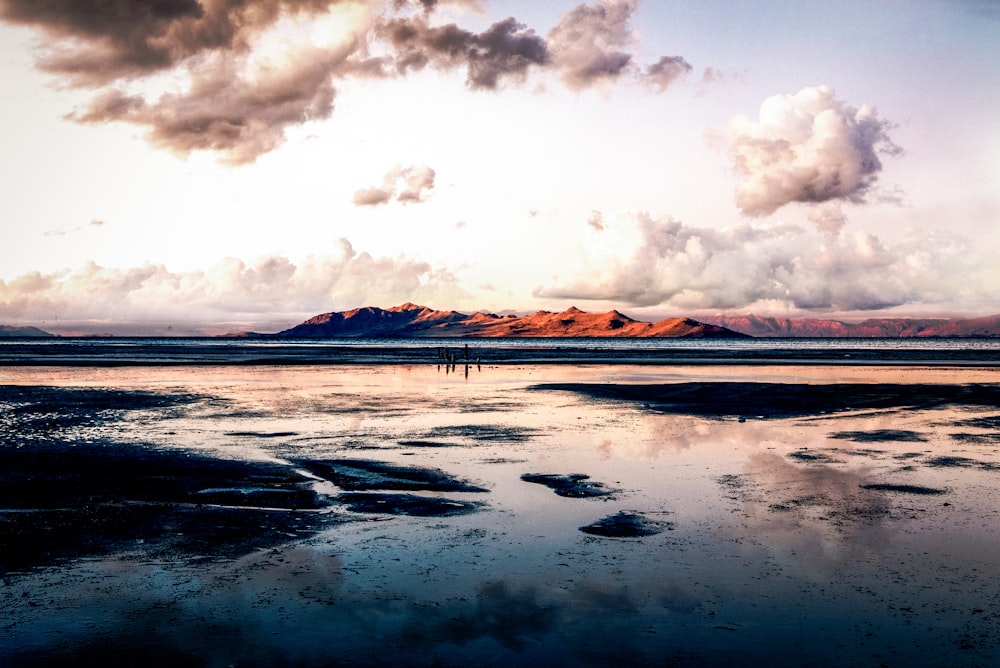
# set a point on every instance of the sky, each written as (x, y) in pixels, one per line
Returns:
(211, 166)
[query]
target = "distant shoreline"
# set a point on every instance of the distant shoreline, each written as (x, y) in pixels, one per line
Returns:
(115, 352)
(412, 321)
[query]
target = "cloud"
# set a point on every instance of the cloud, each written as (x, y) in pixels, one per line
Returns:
(239, 73)
(806, 147)
(95, 43)
(664, 72)
(588, 44)
(644, 262)
(430, 5)
(404, 184)
(506, 50)
(238, 114)
(828, 217)
(372, 196)
(232, 291)
(231, 76)
(72, 230)
(596, 220)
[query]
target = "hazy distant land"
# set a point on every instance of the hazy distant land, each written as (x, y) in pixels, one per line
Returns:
(408, 321)
(11, 331)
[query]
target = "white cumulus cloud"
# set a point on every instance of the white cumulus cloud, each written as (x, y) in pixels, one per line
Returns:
(232, 291)
(404, 184)
(645, 262)
(806, 147)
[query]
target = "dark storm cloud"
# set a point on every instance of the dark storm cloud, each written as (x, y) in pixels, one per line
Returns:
(234, 95)
(224, 111)
(229, 105)
(99, 41)
(505, 50)
(589, 46)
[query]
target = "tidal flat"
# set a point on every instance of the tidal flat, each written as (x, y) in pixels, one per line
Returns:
(594, 515)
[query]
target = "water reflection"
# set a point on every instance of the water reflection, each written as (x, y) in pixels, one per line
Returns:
(793, 540)
(817, 515)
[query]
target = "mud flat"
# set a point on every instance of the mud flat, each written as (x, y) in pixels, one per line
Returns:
(783, 400)
(562, 515)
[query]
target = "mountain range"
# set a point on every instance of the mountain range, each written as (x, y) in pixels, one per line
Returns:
(762, 326)
(414, 321)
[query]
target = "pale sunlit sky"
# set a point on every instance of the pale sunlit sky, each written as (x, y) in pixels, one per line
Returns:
(203, 166)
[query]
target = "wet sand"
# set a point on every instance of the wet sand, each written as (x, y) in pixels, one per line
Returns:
(572, 515)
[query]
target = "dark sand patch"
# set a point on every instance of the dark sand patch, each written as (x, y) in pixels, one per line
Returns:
(483, 432)
(625, 525)
(573, 485)
(977, 439)
(778, 400)
(406, 504)
(64, 500)
(736, 486)
(813, 457)
(258, 496)
(984, 422)
(808, 501)
(868, 452)
(428, 444)
(881, 436)
(68, 488)
(67, 474)
(479, 406)
(33, 411)
(904, 489)
(367, 474)
(954, 461)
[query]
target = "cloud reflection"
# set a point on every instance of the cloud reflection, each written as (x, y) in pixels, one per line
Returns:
(819, 514)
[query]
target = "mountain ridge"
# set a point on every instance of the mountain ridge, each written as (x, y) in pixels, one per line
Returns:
(415, 321)
(770, 326)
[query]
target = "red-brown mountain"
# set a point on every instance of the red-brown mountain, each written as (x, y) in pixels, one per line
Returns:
(413, 321)
(761, 326)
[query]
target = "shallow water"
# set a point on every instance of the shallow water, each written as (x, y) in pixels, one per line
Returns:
(861, 536)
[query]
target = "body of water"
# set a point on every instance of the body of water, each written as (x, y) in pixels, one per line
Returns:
(567, 502)
(126, 351)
